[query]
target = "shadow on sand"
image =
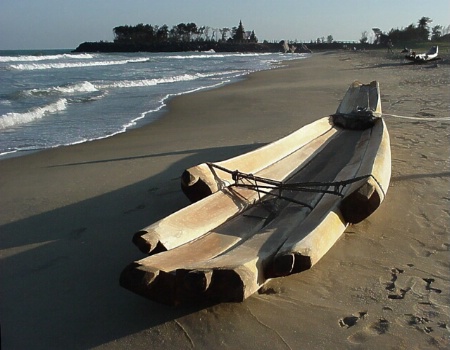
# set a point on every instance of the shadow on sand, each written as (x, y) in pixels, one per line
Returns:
(60, 269)
(419, 176)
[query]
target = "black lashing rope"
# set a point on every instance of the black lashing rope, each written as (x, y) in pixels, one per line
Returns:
(275, 188)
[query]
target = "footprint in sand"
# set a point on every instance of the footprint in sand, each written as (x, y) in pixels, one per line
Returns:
(428, 286)
(394, 292)
(377, 328)
(420, 323)
(400, 295)
(380, 327)
(350, 321)
(426, 302)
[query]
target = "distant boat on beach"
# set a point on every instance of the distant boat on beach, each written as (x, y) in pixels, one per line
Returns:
(430, 55)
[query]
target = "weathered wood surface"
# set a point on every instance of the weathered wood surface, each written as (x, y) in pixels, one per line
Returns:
(200, 217)
(154, 276)
(238, 273)
(366, 196)
(323, 227)
(361, 97)
(202, 180)
(360, 108)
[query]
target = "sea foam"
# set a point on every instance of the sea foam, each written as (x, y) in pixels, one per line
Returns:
(9, 120)
(166, 80)
(32, 58)
(63, 65)
(81, 87)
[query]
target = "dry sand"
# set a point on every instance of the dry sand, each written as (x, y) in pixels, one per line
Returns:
(68, 214)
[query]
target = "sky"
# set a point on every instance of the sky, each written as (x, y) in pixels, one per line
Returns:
(64, 24)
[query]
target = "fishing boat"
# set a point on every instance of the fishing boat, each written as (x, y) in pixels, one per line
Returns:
(430, 55)
(272, 212)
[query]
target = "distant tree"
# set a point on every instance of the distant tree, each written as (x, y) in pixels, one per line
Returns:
(201, 32)
(191, 29)
(182, 32)
(173, 34)
(143, 33)
(223, 33)
(239, 33)
(138, 34)
(253, 37)
(122, 33)
(446, 30)
(329, 39)
(436, 32)
(424, 31)
(424, 21)
(162, 33)
(215, 34)
(206, 33)
(364, 37)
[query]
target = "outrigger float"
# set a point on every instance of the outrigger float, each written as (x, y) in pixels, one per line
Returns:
(268, 213)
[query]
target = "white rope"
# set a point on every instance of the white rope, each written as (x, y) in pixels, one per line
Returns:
(417, 118)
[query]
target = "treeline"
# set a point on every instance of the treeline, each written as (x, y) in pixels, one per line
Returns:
(183, 32)
(421, 32)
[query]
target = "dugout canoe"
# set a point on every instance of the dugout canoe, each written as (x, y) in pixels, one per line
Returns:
(220, 201)
(278, 217)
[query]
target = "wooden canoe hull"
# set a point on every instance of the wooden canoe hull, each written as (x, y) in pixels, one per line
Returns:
(222, 204)
(225, 246)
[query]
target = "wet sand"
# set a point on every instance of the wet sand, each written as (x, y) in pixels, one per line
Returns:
(68, 214)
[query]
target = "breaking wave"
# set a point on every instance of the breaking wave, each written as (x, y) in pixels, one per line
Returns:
(166, 80)
(81, 87)
(216, 55)
(9, 120)
(62, 65)
(31, 58)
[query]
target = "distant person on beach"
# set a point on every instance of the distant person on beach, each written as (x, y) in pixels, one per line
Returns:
(390, 46)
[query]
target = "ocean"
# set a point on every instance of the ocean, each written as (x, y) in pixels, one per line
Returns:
(51, 98)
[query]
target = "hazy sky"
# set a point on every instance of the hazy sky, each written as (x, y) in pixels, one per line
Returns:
(48, 24)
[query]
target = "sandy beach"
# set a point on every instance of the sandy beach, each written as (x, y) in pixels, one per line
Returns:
(68, 215)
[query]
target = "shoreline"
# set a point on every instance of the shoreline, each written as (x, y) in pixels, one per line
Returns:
(150, 115)
(69, 213)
